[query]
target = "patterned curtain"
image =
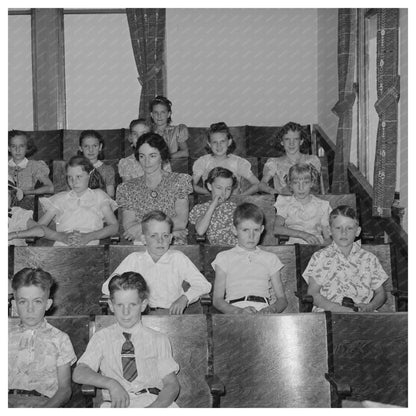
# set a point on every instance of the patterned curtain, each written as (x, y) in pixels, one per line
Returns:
(388, 92)
(147, 31)
(346, 96)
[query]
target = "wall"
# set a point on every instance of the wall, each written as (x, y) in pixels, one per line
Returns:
(20, 111)
(327, 70)
(102, 89)
(242, 66)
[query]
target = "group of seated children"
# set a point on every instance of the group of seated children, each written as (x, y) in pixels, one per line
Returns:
(85, 213)
(134, 364)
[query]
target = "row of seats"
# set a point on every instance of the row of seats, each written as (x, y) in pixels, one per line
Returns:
(265, 202)
(256, 141)
(180, 165)
(288, 360)
(80, 272)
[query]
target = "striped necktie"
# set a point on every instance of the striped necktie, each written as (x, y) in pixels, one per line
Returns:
(128, 359)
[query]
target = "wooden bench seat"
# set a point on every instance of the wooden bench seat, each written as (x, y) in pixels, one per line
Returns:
(369, 352)
(272, 361)
(78, 273)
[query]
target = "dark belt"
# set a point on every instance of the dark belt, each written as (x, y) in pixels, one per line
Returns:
(250, 298)
(25, 392)
(155, 309)
(151, 390)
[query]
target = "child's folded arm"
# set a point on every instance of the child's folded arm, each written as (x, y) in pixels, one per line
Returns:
(322, 302)
(83, 374)
(169, 391)
(378, 300)
(281, 301)
(63, 394)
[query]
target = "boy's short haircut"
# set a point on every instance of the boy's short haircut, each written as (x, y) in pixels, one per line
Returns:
(220, 172)
(345, 211)
(156, 215)
(303, 169)
(248, 211)
(33, 277)
(126, 281)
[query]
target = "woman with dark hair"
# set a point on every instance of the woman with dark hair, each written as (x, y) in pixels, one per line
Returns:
(155, 190)
(175, 136)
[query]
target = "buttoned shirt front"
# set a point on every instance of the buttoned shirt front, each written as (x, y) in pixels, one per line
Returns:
(35, 355)
(356, 276)
(165, 277)
(153, 355)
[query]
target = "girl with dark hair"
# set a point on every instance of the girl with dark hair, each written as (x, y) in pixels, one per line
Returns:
(91, 145)
(220, 147)
(175, 136)
(155, 190)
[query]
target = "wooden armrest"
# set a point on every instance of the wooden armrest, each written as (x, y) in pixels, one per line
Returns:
(400, 294)
(200, 238)
(115, 239)
(206, 300)
(216, 386)
(343, 389)
(103, 302)
(88, 390)
(304, 298)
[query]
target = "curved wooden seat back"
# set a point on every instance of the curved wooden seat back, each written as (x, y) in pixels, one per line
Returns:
(370, 354)
(188, 337)
(272, 361)
(77, 328)
(382, 251)
(78, 273)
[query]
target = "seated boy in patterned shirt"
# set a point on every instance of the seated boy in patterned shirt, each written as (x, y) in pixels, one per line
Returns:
(132, 363)
(40, 355)
(344, 269)
(215, 218)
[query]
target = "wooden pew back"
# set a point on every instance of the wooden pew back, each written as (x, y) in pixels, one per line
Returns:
(370, 354)
(188, 337)
(272, 361)
(78, 273)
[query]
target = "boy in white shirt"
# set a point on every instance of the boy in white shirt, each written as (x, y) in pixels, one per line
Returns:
(243, 274)
(163, 269)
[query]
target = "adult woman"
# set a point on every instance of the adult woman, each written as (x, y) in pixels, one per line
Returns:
(175, 136)
(156, 189)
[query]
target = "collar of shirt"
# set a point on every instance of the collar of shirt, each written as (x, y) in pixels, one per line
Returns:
(135, 330)
(356, 247)
(242, 250)
(73, 195)
(165, 259)
(294, 201)
(22, 164)
(42, 326)
(98, 163)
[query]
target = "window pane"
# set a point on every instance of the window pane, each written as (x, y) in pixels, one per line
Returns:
(102, 89)
(20, 73)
